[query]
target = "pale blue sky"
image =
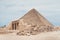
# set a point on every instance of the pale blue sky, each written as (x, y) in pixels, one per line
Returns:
(14, 9)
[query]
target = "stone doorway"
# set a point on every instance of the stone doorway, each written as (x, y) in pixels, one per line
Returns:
(15, 25)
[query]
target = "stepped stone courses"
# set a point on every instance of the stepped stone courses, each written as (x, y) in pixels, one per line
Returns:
(31, 23)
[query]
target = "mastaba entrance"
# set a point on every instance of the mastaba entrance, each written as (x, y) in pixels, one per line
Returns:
(15, 24)
(30, 19)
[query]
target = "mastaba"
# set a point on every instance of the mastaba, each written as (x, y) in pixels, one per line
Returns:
(31, 18)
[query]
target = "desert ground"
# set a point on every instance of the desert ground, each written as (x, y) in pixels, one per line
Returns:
(42, 36)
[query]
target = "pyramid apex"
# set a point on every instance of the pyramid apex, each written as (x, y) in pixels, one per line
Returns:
(33, 9)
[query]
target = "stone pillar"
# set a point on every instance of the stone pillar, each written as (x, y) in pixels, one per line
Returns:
(15, 27)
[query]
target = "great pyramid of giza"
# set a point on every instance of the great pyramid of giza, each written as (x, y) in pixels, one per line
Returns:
(32, 22)
(34, 17)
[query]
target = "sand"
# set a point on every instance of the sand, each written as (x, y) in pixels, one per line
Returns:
(42, 36)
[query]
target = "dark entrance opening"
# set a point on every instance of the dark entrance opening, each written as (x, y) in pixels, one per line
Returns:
(15, 25)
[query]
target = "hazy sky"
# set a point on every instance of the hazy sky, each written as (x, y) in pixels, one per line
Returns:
(14, 9)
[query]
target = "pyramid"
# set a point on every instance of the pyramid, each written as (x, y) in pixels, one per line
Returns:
(31, 18)
(31, 23)
(34, 17)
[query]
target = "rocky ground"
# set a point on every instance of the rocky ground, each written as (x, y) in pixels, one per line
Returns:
(42, 36)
